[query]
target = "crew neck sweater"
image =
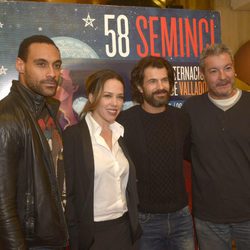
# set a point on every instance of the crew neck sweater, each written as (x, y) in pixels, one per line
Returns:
(155, 143)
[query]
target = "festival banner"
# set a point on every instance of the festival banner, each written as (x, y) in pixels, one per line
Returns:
(92, 37)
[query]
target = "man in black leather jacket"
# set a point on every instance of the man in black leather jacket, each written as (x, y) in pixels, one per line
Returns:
(31, 212)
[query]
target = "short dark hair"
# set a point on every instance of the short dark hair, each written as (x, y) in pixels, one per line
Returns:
(137, 74)
(25, 44)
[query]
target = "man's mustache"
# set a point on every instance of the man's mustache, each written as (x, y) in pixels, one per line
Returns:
(160, 91)
(50, 81)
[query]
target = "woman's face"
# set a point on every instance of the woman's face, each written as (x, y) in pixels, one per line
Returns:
(110, 103)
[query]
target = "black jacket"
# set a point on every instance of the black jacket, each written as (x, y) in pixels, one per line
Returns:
(79, 171)
(31, 213)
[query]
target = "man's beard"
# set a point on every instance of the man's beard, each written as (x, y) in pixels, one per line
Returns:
(159, 101)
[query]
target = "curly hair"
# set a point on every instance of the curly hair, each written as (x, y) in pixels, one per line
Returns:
(137, 74)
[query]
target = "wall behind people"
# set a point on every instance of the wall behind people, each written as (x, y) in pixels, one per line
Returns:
(235, 32)
(242, 65)
(235, 28)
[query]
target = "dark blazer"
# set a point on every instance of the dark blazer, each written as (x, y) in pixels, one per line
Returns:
(79, 171)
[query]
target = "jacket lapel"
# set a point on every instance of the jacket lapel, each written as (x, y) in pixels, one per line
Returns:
(87, 149)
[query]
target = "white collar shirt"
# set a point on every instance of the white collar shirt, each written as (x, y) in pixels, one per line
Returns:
(111, 172)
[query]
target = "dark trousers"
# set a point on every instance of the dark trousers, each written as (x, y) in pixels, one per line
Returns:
(113, 235)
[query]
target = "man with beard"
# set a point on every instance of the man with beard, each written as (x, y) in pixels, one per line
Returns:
(220, 154)
(156, 136)
(31, 212)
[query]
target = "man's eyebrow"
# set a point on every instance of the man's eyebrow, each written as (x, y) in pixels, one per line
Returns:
(40, 60)
(152, 78)
(58, 61)
(44, 60)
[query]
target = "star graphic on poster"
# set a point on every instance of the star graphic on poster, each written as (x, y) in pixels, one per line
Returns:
(3, 70)
(1, 25)
(88, 21)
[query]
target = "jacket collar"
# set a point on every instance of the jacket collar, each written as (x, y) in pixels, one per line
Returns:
(35, 102)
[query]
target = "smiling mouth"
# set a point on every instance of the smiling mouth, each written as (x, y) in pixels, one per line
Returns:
(223, 84)
(112, 111)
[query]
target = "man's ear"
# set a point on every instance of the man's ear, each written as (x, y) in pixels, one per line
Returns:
(20, 65)
(202, 74)
(140, 89)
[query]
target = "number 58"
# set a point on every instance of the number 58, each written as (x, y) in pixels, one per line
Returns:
(119, 39)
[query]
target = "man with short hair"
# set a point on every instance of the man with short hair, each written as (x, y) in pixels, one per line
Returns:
(155, 135)
(220, 154)
(31, 213)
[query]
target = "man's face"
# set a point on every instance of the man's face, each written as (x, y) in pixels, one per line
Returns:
(220, 76)
(41, 72)
(67, 88)
(155, 88)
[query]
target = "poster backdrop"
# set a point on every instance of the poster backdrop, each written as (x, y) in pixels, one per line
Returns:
(93, 37)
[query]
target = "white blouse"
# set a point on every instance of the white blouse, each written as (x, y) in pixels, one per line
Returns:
(111, 172)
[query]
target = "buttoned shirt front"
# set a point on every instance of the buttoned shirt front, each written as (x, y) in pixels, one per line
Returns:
(111, 172)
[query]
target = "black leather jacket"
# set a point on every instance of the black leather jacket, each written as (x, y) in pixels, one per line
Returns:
(31, 213)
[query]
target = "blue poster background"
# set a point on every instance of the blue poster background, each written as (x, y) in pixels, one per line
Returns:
(92, 37)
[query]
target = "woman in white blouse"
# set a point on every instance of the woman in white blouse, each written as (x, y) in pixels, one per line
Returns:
(101, 208)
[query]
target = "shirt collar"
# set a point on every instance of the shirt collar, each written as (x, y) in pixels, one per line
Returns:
(225, 104)
(36, 102)
(95, 129)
